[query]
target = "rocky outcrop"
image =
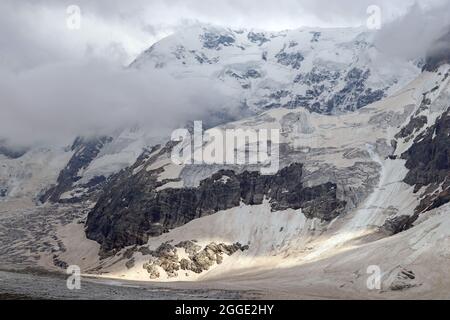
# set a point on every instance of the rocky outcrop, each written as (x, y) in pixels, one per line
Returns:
(428, 161)
(190, 247)
(215, 40)
(85, 151)
(152, 270)
(435, 199)
(355, 91)
(405, 279)
(291, 59)
(398, 224)
(131, 209)
(354, 95)
(257, 37)
(414, 124)
(198, 260)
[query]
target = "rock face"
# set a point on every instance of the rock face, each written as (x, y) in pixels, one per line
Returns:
(398, 224)
(131, 209)
(355, 93)
(414, 124)
(215, 41)
(355, 90)
(293, 60)
(199, 260)
(85, 150)
(428, 160)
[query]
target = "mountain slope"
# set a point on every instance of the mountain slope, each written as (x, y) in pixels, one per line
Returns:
(360, 153)
(352, 190)
(323, 70)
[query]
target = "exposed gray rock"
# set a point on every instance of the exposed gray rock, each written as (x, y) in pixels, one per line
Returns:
(212, 40)
(59, 263)
(131, 209)
(165, 256)
(211, 254)
(128, 254)
(186, 264)
(353, 96)
(315, 36)
(415, 124)
(189, 246)
(404, 280)
(202, 58)
(428, 161)
(145, 251)
(292, 59)
(152, 270)
(257, 37)
(249, 73)
(130, 263)
(398, 224)
(85, 151)
(355, 90)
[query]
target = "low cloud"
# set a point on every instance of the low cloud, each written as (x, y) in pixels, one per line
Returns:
(54, 103)
(56, 83)
(414, 34)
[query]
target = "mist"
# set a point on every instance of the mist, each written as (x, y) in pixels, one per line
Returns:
(57, 102)
(57, 83)
(414, 34)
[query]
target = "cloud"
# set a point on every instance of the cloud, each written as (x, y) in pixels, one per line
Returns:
(56, 83)
(57, 102)
(412, 35)
(34, 31)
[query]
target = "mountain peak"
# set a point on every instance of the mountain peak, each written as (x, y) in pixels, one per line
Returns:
(323, 70)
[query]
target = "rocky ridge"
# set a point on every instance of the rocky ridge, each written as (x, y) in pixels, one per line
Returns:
(132, 209)
(198, 260)
(85, 150)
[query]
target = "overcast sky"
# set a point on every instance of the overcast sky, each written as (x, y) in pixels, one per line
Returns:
(39, 55)
(34, 31)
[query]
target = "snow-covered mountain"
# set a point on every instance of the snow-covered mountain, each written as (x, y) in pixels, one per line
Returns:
(323, 70)
(363, 177)
(359, 180)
